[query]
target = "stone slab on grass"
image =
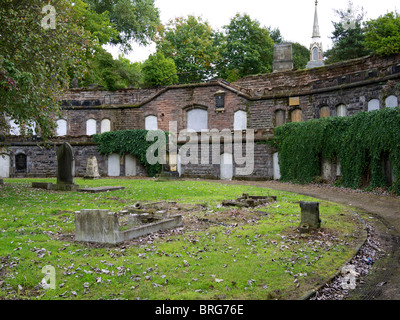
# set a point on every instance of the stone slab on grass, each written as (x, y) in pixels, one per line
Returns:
(100, 189)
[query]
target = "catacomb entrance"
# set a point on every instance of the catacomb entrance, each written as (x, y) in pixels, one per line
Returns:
(21, 164)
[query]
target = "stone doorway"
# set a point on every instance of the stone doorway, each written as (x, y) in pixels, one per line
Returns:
(21, 163)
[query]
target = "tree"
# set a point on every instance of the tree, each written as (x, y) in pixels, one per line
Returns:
(275, 35)
(35, 59)
(382, 35)
(112, 73)
(191, 43)
(130, 72)
(248, 49)
(301, 56)
(99, 25)
(159, 70)
(135, 20)
(348, 36)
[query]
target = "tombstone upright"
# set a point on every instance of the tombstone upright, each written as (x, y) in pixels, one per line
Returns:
(66, 168)
(309, 216)
(92, 169)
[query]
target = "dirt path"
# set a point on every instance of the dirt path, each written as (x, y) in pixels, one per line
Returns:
(384, 281)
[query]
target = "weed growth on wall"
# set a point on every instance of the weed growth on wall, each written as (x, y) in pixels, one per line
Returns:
(359, 142)
(128, 142)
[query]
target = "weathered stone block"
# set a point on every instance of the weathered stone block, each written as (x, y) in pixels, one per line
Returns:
(92, 168)
(41, 185)
(99, 226)
(310, 215)
(64, 187)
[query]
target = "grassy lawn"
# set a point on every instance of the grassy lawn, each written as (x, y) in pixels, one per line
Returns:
(263, 257)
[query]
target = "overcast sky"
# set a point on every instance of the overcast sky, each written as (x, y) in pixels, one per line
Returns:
(293, 17)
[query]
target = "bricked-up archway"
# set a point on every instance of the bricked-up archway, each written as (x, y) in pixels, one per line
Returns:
(197, 118)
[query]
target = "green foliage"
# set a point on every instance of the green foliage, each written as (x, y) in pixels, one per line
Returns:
(130, 141)
(35, 62)
(134, 20)
(191, 43)
(159, 70)
(359, 142)
(275, 35)
(112, 73)
(347, 44)
(383, 34)
(98, 24)
(348, 37)
(247, 49)
(301, 56)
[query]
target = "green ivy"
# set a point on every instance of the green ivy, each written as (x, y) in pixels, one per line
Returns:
(129, 141)
(358, 141)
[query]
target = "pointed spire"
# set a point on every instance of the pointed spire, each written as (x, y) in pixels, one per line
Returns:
(316, 24)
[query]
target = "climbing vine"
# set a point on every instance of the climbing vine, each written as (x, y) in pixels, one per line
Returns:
(130, 141)
(359, 142)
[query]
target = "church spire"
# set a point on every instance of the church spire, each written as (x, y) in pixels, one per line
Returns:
(316, 53)
(316, 24)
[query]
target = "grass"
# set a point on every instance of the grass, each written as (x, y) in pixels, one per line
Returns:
(264, 257)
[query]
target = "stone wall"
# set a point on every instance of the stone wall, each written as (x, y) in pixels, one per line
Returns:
(42, 162)
(352, 84)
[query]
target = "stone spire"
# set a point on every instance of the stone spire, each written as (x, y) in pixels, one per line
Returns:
(316, 53)
(316, 24)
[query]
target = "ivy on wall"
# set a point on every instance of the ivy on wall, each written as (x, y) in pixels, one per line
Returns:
(129, 141)
(360, 142)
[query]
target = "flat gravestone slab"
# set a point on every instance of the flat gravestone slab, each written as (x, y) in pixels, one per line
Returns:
(41, 185)
(100, 189)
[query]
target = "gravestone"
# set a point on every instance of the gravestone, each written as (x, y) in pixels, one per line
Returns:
(65, 169)
(309, 216)
(92, 169)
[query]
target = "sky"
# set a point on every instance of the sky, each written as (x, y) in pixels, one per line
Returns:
(294, 18)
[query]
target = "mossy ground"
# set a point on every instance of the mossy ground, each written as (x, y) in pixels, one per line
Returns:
(262, 257)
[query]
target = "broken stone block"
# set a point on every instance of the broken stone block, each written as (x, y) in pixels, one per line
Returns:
(41, 185)
(250, 203)
(310, 215)
(99, 226)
